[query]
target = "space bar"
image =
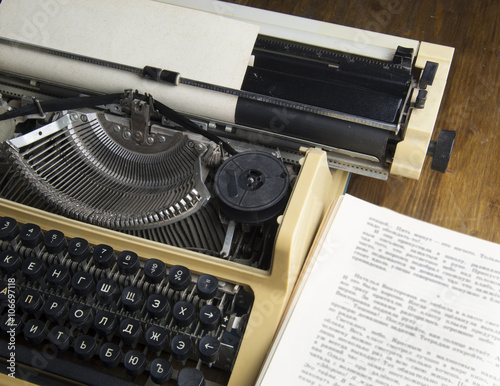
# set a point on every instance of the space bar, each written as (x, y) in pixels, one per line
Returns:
(57, 366)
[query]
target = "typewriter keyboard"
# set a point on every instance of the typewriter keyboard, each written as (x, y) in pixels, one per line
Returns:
(95, 314)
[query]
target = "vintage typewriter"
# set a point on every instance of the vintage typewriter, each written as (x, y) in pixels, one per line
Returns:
(153, 222)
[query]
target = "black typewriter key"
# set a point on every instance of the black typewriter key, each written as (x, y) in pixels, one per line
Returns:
(190, 376)
(80, 315)
(132, 298)
(207, 286)
(160, 370)
(8, 228)
(128, 262)
(82, 283)
(181, 347)
(35, 331)
(183, 313)
(242, 302)
(107, 291)
(157, 305)
(104, 256)
(31, 235)
(154, 270)
(8, 292)
(78, 249)
(179, 277)
(30, 301)
(85, 347)
(11, 324)
(10, 261)
(33, 268)
(208, 348)
(209, 317)
(156, 338)
(54, 241)
(130, 331)
(105, 323)
(110, 355)
(60, 338)
(55, 308)
(134, 362)
(57, 275)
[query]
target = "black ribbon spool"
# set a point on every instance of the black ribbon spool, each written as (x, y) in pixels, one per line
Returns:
(252, 187)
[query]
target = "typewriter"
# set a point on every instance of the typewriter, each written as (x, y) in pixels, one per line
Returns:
(165, 167)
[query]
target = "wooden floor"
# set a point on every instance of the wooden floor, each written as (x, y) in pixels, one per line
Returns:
(467, 197)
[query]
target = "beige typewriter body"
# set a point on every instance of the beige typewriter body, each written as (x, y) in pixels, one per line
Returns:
(271, 289)
(317, 185)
